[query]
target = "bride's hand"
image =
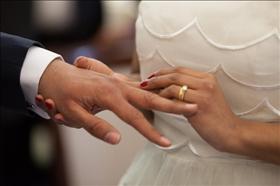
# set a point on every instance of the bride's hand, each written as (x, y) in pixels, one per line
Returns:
(214, 120)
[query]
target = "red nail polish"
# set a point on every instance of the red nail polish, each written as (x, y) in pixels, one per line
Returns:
(144, 83)
(48, 105)
(151, 76)
(38, 99)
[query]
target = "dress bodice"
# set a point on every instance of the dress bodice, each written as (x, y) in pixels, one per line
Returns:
(236, 41)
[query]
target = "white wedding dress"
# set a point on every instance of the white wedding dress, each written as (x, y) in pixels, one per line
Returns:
(239, 43)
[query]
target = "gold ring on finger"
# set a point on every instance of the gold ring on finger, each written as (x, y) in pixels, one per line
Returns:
(182, 92)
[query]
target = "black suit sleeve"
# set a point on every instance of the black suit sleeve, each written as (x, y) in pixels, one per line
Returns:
(13, 52)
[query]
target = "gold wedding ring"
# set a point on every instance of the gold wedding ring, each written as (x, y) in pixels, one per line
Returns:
(182, 92)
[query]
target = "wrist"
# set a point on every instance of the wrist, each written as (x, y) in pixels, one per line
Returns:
(51, 74)
(236, 143)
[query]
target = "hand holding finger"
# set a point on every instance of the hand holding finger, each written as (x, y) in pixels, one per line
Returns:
(149, 100)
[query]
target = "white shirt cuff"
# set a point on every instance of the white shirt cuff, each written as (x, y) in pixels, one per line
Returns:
(36, 61)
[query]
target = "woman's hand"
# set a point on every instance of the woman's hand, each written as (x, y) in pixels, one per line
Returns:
(214, 121)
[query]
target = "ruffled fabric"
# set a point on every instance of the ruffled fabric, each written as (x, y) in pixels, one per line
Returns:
(156, 167)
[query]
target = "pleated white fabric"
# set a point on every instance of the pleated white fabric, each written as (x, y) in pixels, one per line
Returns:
(238, 42)
(157, 167)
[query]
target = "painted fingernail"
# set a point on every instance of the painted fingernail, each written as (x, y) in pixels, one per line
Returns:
(48, 105)
(112, 138)
(151, 76)
(144, 83)
(165, 141)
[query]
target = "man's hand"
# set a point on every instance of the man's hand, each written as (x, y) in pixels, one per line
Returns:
(77, 92)
(98, 66)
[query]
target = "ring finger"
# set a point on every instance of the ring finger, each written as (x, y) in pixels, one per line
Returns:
(172, 92)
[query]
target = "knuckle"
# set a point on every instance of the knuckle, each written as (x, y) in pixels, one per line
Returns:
(173, 78)
(107, 87)
(178, 69)
(135, 117)
(96, 127)
(171, 90)
(114, 80)
(149, 99)
(209, 84)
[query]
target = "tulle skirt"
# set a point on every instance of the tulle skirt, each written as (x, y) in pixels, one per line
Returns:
(154, 166)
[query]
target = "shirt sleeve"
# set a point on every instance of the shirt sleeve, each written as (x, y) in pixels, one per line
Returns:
(36, 61)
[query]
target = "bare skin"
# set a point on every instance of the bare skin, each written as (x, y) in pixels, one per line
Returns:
(79, 93)
(214, 121)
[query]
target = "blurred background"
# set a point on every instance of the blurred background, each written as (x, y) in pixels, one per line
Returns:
(35, 152)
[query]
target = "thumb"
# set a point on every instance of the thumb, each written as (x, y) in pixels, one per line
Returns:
(92, 64)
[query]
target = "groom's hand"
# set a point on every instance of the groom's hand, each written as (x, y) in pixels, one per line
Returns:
(98, 66)
(77, 91)
(85, 63)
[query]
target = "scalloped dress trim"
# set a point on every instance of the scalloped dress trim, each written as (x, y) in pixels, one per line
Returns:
(265, 102)
(213, 70)
(195, 22)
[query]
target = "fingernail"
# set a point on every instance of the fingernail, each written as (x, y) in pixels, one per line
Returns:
(151, 76)
(144, 83)
(112, 138)
(59, 120)
(191, 106)
(38, 99)
(165, 141)
(48, 105)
